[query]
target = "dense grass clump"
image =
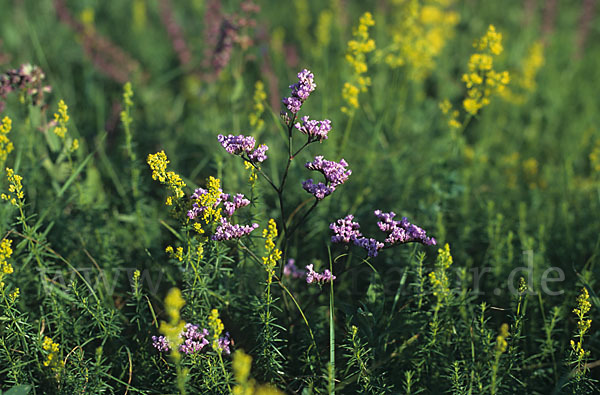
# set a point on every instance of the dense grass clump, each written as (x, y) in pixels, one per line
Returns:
(305, 197)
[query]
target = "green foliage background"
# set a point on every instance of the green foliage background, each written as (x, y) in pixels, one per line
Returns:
(475, 193)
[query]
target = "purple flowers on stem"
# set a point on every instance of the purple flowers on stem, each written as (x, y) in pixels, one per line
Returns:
(228, 231)
(239, 145)
(335, 174)
(345, 229)
(315, 130)
(300, 91)
(399, 232)
(238, 201)
(194, 340)
(314, 277)
(371, 245)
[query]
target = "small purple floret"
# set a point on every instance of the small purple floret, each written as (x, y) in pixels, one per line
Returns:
(371, 245)
(345, 230)
(228, 231)
(301, 90)
(314, 277)
(316, 130)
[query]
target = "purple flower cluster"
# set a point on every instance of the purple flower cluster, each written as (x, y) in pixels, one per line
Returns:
(228, 231)
(160, 343)
(371, 245)
(335, 174)
(319, 190)
(27, 79)
(399, 232)
(239, 201)
(345, 229)
(291, 270)
(314, 277)
(315, 130)
(239, 145)
(194, 340)
(300, 91)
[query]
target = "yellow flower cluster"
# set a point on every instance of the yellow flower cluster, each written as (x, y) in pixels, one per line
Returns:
(531, 65)
(583, 322)
(158, 164)
(258, 108)
(439, 278)
(61, 120)
(272, 254)
(323, 31)
(173, 304)
(6, 146)
(15, 188)
(216, 326)
(482, 80)
(127, 100)
(356, 56)
(420, 32)
(52, 360)
(452, 115)
(501, 342)
(5, 266)
(241, 364)
(253, 173)
(175, 253)
(210, 215)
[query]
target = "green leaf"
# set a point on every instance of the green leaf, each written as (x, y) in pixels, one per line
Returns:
(18, 390)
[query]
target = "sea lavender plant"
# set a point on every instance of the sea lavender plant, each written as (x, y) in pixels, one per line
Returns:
(347, 231)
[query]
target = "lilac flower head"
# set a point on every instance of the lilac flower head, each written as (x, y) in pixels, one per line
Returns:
(335, 173)
(225, 343)
(259, 154)
(371, 245)
(194, 340)
(315, 130)
(238, 201)
(290, 269)
(237, 145)
(312, 276)
(400, 232)
(319, 190)
(228, 231)
(160, 343)
(240, 145)
(345, 230)
(300, 91)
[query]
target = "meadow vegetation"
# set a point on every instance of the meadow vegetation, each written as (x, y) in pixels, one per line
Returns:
(312, 197)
